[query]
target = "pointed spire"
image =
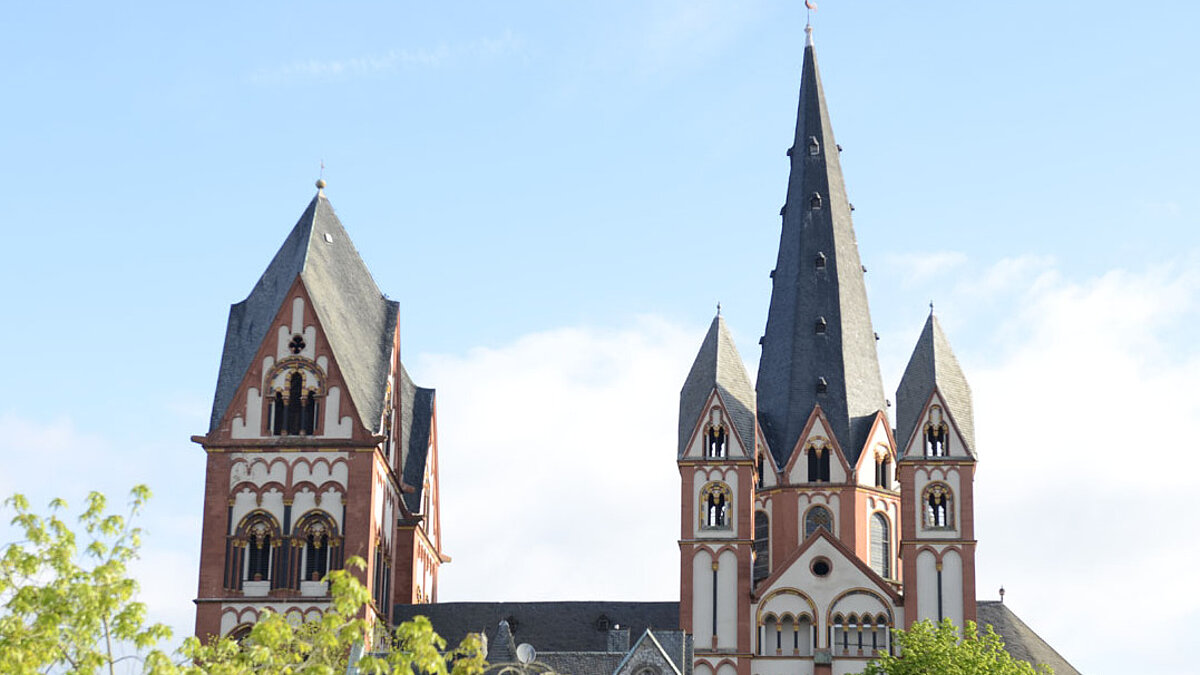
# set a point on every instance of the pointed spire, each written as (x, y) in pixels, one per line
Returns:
(933, 365)
(357, 319)
(718, 365)
(818, 325)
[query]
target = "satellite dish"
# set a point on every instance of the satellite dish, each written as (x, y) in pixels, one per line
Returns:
(526, 653)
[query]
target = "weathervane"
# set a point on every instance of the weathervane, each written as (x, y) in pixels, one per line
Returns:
(809, 8)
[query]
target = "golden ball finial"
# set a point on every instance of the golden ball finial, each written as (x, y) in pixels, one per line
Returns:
(320, 183)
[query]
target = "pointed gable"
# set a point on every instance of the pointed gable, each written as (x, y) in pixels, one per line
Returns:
(358, 321)
(647, 652)
(933, 367)
(717, 366)
(818, 326)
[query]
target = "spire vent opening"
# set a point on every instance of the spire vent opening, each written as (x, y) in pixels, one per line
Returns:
(820, 325)
(328, 238)
(819, 260)
(822, 385)
(814, 146)
(814, 202)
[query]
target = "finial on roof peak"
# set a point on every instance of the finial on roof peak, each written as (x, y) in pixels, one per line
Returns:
(930, 308)
(718, 308)
(808, 41)
(320, 183)
(321, 179)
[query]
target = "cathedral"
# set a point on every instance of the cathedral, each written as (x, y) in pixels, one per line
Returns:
(812, 525)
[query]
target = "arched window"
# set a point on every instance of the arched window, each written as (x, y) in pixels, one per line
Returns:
(879, 637)
(762, 546)
(817, 516)
(259, 535)
(939, 503)
(318, 534)
(294, 387)
(936, 439)
(881, 545)
(804, 635)
(818, 464)
(770, 635)
(841, 637)
(240, 632)
(715, 441)
(883, 471)
(716, 503)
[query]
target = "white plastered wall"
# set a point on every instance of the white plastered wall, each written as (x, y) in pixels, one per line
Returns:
(926, 586)
(952, 586)
(877, 444)
(727, 617)
(935, 413)
(702, 609)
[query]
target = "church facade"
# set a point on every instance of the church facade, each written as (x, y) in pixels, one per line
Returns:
(811, 526)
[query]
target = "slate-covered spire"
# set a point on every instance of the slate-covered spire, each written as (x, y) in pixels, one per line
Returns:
(933, 365)
(358, 320)
(819, 347)
(718, 365)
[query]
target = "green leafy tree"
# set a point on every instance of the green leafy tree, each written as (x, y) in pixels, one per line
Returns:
(282, 644)
(67, 610)
(926, 649)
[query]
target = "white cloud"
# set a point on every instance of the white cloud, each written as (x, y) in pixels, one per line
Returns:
(916, 268)
(558, 472)
(1086, 425)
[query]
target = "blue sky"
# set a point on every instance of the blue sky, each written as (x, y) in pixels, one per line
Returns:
(558, 194)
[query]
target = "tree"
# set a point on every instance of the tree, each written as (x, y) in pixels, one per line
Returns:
(928, 649)
(63, 610)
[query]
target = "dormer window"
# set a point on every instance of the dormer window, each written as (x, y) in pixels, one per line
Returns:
(822, 385)
(818, 464)
(814, 202)
(936, 438)
(820, 325)
(814, 146)
(819, 260)
(716, 441)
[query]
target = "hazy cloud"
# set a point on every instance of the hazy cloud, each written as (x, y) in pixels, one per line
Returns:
(393, 60)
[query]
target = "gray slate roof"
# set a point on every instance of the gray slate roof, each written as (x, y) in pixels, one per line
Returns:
(416, 424)
(718, 365)
(358, 321)
(933, 364)
(548, 626)
(794, 355)
(1019, 639)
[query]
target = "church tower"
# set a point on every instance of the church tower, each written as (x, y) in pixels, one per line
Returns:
(320, 447)
(935, 423)
(718, 441)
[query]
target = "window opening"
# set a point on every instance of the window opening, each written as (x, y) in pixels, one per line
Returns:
(716, 439)
(881, 546)
(883, 470)
(818, 464)
(259, 557)
(937, 506)
(935, 441)
(818, 516)
(762, 545)
(814, 202)
(814, 146)
(715, 500)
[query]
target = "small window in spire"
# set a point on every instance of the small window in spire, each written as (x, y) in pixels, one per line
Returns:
(822, 385)
(814, 146)
(715, 441)
(820, 325)
(819, 261)
(814, 202)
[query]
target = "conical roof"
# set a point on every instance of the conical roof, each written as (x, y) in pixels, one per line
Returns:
(819, 346)
(358, 320)
(933, 365)
(718, 365)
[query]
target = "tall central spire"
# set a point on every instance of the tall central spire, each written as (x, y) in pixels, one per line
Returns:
(819, 347)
